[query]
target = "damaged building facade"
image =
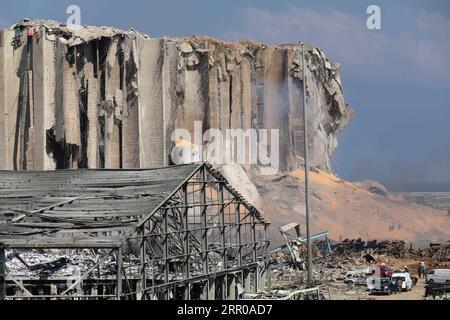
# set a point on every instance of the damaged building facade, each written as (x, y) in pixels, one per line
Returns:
(180, 232)
(106, 102)
(89, 97)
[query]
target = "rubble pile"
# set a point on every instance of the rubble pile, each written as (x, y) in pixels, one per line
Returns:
(396, 248)
(51, 264)
(353, 255)
(438, 253)
(346, 210)
(285, 294)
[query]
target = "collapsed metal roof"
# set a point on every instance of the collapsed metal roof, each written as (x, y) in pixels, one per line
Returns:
(86, 208)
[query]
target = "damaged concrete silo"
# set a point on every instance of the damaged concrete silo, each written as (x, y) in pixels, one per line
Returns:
(89, 97)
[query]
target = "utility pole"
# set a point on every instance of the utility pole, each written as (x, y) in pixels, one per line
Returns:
(307, 192)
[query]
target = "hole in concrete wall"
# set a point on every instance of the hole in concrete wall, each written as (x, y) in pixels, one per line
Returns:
(62, 153)
(96, 59)
(131, 71)
(70, 56)
(334, 111)
(120, 144)
(79, 58)
(103, 46)
(230, 95)
(23, 120)
(101, 140)
(84, 123)
(121, 61)
(204, 70)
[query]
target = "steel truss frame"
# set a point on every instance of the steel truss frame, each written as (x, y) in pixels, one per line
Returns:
(204, 242)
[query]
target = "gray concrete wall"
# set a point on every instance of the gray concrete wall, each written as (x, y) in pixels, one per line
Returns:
(10, 62)
(151, 107)
(134, 91)
(44, 99)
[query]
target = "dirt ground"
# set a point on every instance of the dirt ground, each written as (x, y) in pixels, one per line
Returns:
(346, 210)
(334, 288)
(417, 293)
(360, 293)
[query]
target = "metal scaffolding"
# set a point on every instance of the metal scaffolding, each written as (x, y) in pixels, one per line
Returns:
(173, 233)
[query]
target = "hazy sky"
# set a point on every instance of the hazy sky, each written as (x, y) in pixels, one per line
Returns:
(397, 79)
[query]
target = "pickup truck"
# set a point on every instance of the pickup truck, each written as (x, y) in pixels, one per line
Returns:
(379, 285)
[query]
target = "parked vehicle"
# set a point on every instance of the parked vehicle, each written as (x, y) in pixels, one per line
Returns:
(355, 278)
(379, 285)
(437, 290)
(405, 277)
(438, 276)
(381, 271)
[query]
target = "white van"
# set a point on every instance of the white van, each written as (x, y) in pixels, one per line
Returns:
(438, 276)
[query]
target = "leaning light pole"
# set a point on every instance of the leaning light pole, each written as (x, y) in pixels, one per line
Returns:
(307, 192)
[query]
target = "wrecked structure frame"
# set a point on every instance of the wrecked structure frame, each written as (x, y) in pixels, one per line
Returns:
(202, 241)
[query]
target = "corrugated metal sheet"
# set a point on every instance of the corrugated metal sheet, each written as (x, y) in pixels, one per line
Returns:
(73, 208)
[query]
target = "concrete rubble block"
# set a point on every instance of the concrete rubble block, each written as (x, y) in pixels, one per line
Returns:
(192, 60)
(185, 47)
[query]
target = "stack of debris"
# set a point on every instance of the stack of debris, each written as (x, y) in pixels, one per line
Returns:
(395, 248)
(53, 263)
(294, 252)
(314, 293)
(352, 256)
(437, 254)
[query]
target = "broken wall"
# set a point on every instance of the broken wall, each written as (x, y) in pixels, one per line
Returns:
(77, 97)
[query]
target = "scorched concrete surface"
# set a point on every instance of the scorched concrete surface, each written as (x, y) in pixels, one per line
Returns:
(98, 97)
